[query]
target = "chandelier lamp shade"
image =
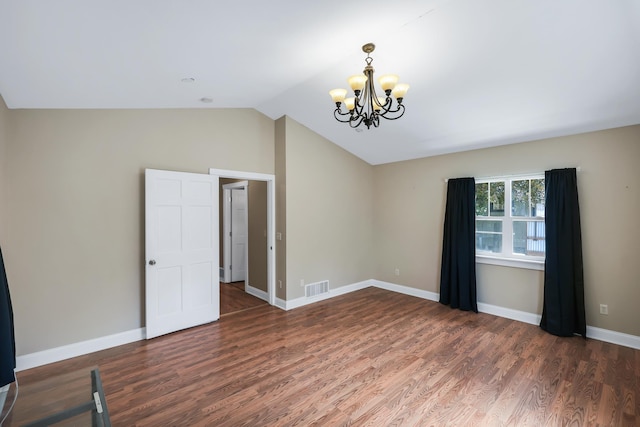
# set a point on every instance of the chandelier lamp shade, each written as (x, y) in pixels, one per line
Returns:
(366, 106)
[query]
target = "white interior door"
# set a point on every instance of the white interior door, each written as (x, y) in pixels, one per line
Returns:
(239, 232)
(181, 239)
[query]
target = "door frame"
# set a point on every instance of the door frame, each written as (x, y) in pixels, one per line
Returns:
(226, 229)
(271, 220)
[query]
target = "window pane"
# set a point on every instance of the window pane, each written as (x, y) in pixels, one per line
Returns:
(537, 198)
(496, 198)
(529, 238)
(482, 199)
(489, 236)
(520, 198)
(494, 226)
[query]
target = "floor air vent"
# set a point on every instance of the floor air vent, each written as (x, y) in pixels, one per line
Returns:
(313, 289)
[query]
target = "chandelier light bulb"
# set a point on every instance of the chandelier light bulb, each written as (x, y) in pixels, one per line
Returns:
(350, 103)
(400, 90)
(338, 95)
(388, 81)
(357, 81)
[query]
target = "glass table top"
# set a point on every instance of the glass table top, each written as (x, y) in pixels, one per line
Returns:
(71, 399)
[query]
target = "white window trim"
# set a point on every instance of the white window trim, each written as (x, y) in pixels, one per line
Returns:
(530, 264)
(515, 261)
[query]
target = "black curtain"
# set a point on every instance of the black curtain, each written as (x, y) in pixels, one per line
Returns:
(7, 338)
(563, 312)
(458, 272)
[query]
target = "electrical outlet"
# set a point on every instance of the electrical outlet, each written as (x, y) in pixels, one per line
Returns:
(397, 271)
(280, 284)
(604, 309)
(302, 283)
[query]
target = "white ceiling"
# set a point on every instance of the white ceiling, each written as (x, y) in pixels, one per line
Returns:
(482, 72)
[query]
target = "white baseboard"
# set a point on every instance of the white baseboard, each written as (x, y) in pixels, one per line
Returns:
(302, 301)
(599, 334)
(613, 337)
(258, 293)
(432, 296)
(281, 304)
(77, 349)
(520, 316)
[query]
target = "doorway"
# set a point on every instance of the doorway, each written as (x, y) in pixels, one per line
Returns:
(235, 232)
(267, 232)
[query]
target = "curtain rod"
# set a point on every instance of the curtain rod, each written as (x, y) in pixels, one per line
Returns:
(512, 175)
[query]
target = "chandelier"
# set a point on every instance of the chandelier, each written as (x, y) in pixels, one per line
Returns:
(366, 106)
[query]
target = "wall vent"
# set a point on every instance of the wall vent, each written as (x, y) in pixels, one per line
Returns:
(313, 289)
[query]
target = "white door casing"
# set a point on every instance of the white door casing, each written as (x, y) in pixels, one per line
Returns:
(181, 244)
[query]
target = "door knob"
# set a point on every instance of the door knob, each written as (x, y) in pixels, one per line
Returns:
(152, 262)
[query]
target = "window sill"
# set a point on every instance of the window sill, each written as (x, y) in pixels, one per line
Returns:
(510, 262)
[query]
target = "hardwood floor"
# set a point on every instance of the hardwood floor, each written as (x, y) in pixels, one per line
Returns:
(371, 357)
(233, 298)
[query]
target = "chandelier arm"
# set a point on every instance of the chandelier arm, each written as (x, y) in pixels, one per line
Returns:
(367, 96)
(358, 106)
(373, 96)
(386, 107)
(399, 108)
(355, 121)
(392, 117)
(337, 113)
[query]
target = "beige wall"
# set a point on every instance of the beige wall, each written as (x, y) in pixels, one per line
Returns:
(75, 237)
(409, 212)
(329, 212)
(257, 227)
(4, 112)
(281, 206)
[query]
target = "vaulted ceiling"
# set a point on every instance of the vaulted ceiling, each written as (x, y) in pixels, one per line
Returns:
(482, 72)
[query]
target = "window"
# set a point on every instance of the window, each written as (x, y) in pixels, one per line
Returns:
(510, 221)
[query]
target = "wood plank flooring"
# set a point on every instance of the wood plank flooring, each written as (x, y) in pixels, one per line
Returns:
(233, 298)
(371, 357)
